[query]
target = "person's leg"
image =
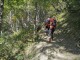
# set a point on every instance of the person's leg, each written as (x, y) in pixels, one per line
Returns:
(49, 35)
(46, 31)
(52, 31)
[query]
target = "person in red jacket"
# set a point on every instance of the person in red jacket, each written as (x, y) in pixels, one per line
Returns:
(50, 26)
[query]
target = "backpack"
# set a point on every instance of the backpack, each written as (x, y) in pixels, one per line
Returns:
(53, 22)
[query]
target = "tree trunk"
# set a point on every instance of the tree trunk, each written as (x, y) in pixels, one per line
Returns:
(10, 21)
(35, 18)
(1, 14)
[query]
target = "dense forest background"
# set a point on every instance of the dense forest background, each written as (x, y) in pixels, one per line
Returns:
(20, 18)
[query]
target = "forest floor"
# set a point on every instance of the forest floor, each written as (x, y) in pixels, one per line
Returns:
(59, 49)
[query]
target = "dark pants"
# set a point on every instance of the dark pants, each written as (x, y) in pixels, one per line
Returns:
(50, 32)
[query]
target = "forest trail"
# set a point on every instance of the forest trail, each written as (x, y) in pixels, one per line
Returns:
(58, 49)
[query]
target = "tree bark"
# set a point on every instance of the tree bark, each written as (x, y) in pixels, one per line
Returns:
(35, 18)
(1, 14)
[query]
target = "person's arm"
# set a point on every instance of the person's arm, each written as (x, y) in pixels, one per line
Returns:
(54, 23)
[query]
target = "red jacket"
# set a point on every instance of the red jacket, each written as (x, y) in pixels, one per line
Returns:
(51, 22)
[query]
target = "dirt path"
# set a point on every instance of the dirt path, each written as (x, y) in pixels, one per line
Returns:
(59, 49)
(52, 51)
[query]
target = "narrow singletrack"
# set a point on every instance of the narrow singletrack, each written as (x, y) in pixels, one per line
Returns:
(58, 49)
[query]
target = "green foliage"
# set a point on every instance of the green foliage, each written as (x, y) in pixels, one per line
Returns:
(19, 57)
(13, 45)
(2, 40)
